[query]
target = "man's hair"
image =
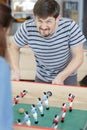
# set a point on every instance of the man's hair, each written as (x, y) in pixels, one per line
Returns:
(46, 8)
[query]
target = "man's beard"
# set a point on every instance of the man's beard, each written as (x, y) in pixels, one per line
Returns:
(43, 34)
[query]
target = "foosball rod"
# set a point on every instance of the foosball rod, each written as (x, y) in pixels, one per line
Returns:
(85, 127)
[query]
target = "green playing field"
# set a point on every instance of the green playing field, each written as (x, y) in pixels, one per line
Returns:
(74, 120)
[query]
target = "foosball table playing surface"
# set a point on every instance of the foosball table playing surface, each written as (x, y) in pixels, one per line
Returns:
(57, 107)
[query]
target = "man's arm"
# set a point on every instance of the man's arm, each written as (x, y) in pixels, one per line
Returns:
(76, 61)
(14, 59)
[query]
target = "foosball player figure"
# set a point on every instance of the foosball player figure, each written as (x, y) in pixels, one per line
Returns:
(64, 109)
(34, 113)
(22, 94)
(45, 99)
(55, 122)
(40, 106)
(70, 99)
(27, 119)
(16, 99)
(19, 122)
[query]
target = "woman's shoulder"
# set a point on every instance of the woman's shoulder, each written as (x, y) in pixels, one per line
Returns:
(3, 63)
(2, 60)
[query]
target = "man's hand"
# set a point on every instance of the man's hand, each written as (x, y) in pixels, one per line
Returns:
(58, 80)
(15, 75)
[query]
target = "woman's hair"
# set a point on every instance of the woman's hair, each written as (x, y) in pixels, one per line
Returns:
(3, 44)
(5, 22)
(46, 8)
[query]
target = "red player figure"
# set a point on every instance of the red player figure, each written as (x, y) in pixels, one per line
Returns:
(70, 99)
(16, 99)
(64, 109)
(22, 94)
(55, 121)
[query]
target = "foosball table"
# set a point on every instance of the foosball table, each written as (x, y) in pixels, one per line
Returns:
(48, 107)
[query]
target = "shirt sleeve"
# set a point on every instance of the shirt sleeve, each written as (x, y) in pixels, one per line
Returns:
(76, 35)
(20, 36)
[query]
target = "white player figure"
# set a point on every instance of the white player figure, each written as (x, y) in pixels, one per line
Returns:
(27, 119)
(70, 99)
(64, 109)
(40, 106)
(19, 122)
(55, 121)
(45, 99)
(34, 113)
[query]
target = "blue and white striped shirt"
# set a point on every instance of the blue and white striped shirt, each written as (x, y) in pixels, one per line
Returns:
(52, 53)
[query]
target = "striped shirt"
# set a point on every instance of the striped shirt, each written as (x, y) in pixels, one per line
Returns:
(52, 54)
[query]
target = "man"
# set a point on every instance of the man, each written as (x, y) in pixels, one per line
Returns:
(57, 44)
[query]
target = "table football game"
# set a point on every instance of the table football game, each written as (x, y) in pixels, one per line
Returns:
(58, 100)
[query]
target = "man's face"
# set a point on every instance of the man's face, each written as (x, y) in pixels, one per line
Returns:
(47, 26)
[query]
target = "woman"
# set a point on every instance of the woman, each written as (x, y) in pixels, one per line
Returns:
(6, 115)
